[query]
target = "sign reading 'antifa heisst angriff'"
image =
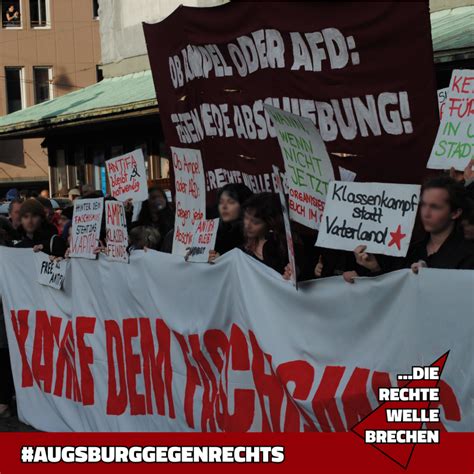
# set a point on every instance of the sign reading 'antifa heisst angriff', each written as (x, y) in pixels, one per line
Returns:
(116, 231)
(127, 176)
(308, 167)
(86, 222)
(378, 215)
(454, 145)
(319, 59)
(190, 196)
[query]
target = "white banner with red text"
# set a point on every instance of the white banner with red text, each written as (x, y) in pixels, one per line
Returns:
(162, 345)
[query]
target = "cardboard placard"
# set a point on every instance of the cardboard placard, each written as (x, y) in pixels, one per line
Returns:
(378, 215)
(454, 144)
(86, 222)
(127, 176)
(307, 164)
(190, 196)
(116, 231)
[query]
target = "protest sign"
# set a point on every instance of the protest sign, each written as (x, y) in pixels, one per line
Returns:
(86, 222)
(454, 144)
(442, 96)
(378, 215)
(190, 196)
(346, 175)
(286, 221)
(308, 167)
(204, 240)
(161, 346)
(313, 59)
(127, 176)
(116, 231)
(50, 272)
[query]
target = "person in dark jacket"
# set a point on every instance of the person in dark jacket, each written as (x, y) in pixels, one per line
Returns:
(156, 212)
(230, 233)
(36, 232)
(264, 235)
(444, 246)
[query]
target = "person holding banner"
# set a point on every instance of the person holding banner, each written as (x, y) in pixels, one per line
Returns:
(444, 246)
(157, 212)
(230, 200)
(36, 232)
(264, 235)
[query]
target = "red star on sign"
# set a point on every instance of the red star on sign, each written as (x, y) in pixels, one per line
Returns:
(397, 236)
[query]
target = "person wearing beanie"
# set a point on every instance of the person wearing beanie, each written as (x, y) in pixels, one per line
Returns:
(36, 232)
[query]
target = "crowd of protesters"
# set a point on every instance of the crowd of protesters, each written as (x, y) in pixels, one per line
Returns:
(443, 236)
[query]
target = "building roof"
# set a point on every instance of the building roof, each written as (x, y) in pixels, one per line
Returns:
(452, 31)
(120, 97)
(103, 100)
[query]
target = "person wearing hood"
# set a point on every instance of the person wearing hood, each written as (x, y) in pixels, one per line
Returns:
(36, 232)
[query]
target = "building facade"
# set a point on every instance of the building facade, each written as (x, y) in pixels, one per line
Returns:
(48, 48)
(87, 126)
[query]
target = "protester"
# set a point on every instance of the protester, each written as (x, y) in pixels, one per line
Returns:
(44, 194)
(36, 232)
(74, 193)
(468, 220)
(230, 234)
(264, 235)
(12, 16)
(12, 194)
(88, 190)
(444, 246)
(156, 212)
(144, 238)
(14, 215)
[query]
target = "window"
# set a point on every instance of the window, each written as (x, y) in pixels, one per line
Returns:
(99, 73)
(11, 14)
(15, 88)
(43, 79)
(95, 8)
(39, 14)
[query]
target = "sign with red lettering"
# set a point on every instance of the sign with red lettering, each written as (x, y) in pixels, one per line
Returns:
(86, 222)
(378, 215)
(442, 96)
(116, 231)
(204, 240)
(190, 196)
(454, 145)
(51, 272)
(127, 176)
(343, 65)
(159, 345)
(286, 221)
(308, 167)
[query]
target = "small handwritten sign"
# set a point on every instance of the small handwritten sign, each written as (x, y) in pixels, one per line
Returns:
(190, 196)
(454, 145)
(116, 231)
(127, 176)
(307, 164)
(86, 222)
(204, 240)
(51, 273)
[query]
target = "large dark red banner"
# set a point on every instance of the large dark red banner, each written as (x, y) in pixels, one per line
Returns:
(363, 72)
